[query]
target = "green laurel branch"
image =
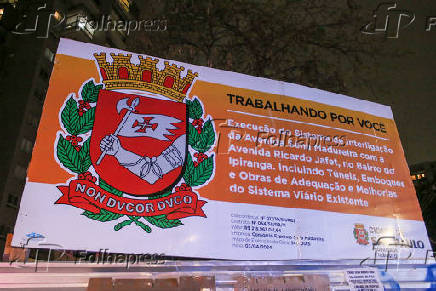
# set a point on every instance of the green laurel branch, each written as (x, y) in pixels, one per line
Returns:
(76, 161)
(195, 110)
(90, 92)
(73, 123)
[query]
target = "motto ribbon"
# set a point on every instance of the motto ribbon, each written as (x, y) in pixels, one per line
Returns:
(88, 196)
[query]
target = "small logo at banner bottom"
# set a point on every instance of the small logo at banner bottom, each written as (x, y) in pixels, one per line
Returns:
(360, 234)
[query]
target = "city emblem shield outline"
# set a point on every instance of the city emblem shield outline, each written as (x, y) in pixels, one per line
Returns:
(107, 122)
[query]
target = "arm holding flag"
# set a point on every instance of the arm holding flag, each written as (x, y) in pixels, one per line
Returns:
(150, 169)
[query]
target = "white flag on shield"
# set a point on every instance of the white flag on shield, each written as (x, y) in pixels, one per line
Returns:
(150, 125)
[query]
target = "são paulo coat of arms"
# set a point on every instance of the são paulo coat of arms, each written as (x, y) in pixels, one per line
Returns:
(139, 149)
(360, 234)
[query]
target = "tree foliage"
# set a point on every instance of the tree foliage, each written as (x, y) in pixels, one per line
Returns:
(314, 43)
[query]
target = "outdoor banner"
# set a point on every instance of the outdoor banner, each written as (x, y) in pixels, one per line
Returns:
(136, 154)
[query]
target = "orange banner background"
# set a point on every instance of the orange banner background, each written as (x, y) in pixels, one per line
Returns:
(71, 72)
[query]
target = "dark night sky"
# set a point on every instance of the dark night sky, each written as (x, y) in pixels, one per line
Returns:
(408, 83)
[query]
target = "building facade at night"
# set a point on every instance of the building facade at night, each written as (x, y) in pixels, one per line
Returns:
(424, 178)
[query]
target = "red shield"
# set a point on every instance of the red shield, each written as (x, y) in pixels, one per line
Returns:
(150, 148)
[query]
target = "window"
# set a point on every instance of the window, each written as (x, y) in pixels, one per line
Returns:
(12, 201)
(20, 172)
(418, 176)
(87, 25)
(57, 16)
(146, 76)
(49, 54)
(125, 4)
(168, 82)
(79, 20)
(123, 73)
(26, 145)
(2, 10)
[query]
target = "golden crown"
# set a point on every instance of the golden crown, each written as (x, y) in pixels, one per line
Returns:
(122, 74)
